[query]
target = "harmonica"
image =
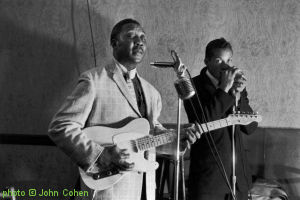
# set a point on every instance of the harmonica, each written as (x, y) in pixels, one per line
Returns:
(240, 75)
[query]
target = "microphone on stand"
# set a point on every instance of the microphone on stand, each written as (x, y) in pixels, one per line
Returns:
(185, 91)
(184, 88)
(183, 85)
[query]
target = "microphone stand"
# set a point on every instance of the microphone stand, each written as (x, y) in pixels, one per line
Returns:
(185, 91)
(234, 154)
(180, 85)
(177, 159)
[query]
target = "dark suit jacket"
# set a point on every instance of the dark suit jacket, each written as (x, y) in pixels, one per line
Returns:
(205, 176)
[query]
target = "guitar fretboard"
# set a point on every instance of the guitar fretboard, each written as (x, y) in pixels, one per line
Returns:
(149, 142)
(210, 126)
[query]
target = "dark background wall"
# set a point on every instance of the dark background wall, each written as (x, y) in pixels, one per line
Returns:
(45, 45)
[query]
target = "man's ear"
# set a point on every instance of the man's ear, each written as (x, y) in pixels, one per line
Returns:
(114, 43)
(205, 61)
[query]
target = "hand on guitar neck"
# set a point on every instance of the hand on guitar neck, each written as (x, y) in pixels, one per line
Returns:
(189, 135)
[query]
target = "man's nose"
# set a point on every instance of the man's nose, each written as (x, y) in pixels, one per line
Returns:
(226, 66)
(229, 64)
(139, 41)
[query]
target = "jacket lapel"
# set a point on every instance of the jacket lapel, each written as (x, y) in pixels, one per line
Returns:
(117, 76)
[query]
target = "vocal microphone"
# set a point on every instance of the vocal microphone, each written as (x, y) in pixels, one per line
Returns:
(184, 88)
(162, 64)
(183, 85)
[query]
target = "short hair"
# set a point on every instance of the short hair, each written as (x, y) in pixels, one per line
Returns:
(118, 28)
(219, 43)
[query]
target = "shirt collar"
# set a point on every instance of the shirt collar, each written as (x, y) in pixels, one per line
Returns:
(212, 79)
(128, 74)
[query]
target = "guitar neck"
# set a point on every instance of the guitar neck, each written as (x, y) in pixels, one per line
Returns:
(147, 142)
(210, 126)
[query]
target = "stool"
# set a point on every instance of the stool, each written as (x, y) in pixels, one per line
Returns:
(167, 165)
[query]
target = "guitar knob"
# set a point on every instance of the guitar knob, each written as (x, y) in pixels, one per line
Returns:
(108, 173)
(96, 176)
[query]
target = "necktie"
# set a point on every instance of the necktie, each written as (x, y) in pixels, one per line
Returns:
(136, 91)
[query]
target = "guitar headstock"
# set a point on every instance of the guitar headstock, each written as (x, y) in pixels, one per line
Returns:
(244, 118)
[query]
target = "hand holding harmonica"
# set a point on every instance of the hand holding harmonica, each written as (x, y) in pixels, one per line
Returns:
(239, 84)
(230, 76)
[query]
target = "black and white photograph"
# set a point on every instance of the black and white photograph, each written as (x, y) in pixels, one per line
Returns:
(149, 100)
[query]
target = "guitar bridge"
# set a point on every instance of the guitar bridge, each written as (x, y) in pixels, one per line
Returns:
(105, 174)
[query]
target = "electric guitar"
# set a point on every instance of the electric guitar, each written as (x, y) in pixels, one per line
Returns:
(136, 139)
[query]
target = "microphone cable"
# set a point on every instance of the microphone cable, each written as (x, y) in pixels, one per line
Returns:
(209, 137)
(74, 34)
(91, 31)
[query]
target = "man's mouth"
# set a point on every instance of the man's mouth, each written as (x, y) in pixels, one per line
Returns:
(138, 51)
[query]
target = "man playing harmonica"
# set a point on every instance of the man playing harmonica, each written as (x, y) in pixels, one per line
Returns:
(220, 86)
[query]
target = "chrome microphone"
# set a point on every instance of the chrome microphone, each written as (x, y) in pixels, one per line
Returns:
(183, 84)
(162, 64)
(184, 88)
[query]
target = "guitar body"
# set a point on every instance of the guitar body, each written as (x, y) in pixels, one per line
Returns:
(124, 138)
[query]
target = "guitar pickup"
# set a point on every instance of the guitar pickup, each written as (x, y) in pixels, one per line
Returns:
(105, 174)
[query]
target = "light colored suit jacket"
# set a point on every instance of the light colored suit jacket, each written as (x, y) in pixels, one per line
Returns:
(102, 97)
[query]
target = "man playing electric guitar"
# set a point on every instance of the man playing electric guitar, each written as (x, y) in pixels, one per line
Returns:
(112, 96)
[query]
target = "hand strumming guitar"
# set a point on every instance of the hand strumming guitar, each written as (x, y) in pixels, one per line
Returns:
(114, 156)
